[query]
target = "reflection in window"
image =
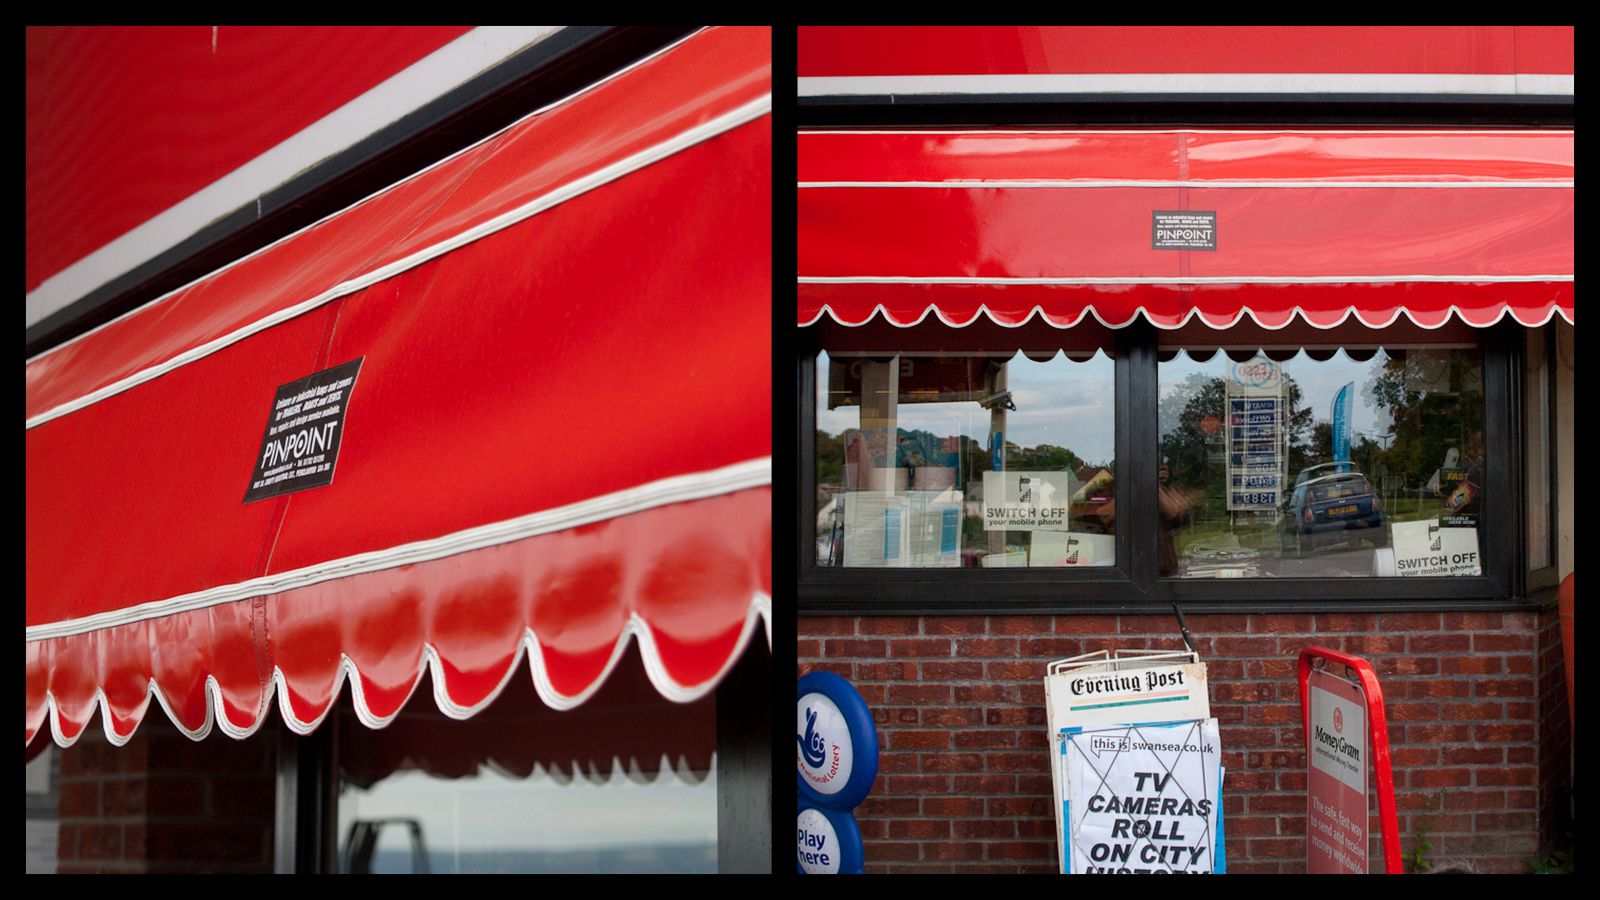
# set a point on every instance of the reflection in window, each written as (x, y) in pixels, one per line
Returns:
(1313, 463)
(626, 782)
(965, 460)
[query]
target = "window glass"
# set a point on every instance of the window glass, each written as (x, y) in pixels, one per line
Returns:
(1320, 462)
(626, 782)
(975, 460)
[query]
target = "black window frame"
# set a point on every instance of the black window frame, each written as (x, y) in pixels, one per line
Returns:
(1132, 586)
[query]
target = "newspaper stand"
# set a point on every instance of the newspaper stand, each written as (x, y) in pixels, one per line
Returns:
(1378, 735)
(1110, 700)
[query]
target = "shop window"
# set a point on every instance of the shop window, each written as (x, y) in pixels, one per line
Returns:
(624, 783)
(1318, 463)
(974, 460)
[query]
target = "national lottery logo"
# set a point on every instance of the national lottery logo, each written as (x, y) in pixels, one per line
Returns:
(812, 747)
(825, 751)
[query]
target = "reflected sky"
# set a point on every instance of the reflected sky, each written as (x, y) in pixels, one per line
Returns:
(1059, 402)
(493, 811)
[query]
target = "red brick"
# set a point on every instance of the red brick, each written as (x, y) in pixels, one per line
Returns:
(886, 671)
(1510, 731)
(1281, 668)
(1506, 821)
(889, 851)
(1246, 780)
(99, 842)
(952, 762)
(1344, 623)
(1019, 850)
(964, 625)
(952, 851)
(1415, 756)
(1276, 713)
(1520, 664)
(807, 649)
(984, 828)
(1037, 785)
(1393, 623)
(1472, 800)
(1269, 803)
(918, 784)
(80, 798)
(888, 625)
(918, 828)
(985, 785)
(810, 626)
(1473, 621)
(1024, 625)
(952, 806)
(1019, 762)
(917, 740)
(898, 694)
(1246, 646)
(920, 647)
(947, 716)
(1016, 671)
(988, 693)
(986, 740)
(1282, 624)
(1473, 756)
(1441, 687)
(970, 648)
(1471, 665)
(1440, 777)
(1412, 712)
(1374, 644)
(1015, 715)
(1438, 734)
(1106, 625)
(1294, 847)
(1242, 691)
(952, 671)
(1233, 669)
(1251, 826)
(1522, 799)
(845, 649)
(1507, 777)
(67, 841)
(1037, 828)
(1019, 806)
(1216, 623)
(1292, 781)
(1396, 666)
(1054, 647)
(1275, 759)
(878, 805)
(1504, 643)
(1460, 712)
(1439, 643)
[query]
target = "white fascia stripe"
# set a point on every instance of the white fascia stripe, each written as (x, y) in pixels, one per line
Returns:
(1211, 83)
(677, 489)
(1181, 279)
(750, 111)
(406, 91)
(1295, 312)
(1157, 183)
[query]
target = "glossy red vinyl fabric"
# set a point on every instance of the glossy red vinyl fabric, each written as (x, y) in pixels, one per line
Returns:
(1323, 225)
(712, 73)
(536, 456)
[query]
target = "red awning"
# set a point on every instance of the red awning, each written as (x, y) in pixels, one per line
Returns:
(1325, 224)
(558, 437)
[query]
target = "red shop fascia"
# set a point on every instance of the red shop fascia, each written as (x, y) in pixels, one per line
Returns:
(1368, 235)
(345, 389)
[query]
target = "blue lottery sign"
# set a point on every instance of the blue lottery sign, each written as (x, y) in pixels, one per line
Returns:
(827, 842)
(836, 742)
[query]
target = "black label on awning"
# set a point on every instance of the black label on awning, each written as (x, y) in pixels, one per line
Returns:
(304, 429)
(1183, 229)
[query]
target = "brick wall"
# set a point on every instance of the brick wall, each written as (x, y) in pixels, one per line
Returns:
(164, 803)
(964, 784)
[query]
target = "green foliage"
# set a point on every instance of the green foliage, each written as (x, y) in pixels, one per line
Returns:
(1559, 863)
(1417, 860)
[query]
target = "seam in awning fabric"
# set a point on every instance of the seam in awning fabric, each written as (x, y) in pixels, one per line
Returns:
(216, 712)
(688, 138)
(678, 489)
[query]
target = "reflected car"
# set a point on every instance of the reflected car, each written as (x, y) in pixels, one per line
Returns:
(1334, 507)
